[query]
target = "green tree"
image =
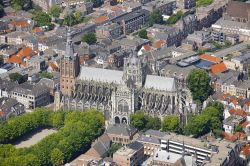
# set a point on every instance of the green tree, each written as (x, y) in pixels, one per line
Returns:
(210, 119)
(15, 77)
(138, 120)
(156, 17)
(228, 43)
(143, 122)
(18, 4)
(143, 34)
(73, 138)
(55, 11)
(218, 105)
(30, 160)
(46, 74)
(57, 157)
(42, 19)
(171, 123)
(114, 147)
(78, 16)
(201, 51)
(175, 17)
(198, 125)
(238, 128)
(198, 81)
(89, 38)
(153, 123)
(203, 2)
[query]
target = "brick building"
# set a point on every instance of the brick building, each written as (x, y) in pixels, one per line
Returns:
(132, 155)
(121, 133)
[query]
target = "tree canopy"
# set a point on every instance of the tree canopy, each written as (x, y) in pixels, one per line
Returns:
(89, 38)
(156, 17)
(46, 74)
(114, 147)
(201, 124)
(42, 19)
(73, 18)
(175, 17)
(76, 131)
(18, 4)
(55, 10)
(15, 77)
(144, 122)
(198, 81)
(171, 123)
(143, 34)
(203, 2)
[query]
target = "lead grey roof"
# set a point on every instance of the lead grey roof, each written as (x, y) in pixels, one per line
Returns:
(144, 138)
(160, 83)
(121, 129)
(99, 74)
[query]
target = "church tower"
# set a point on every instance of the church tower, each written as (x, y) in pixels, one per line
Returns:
(57, 100)
(133, 73)
(69, 68)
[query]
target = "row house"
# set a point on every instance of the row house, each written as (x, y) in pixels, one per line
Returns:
(4, 27)
(171, 35)
(37, 62)
(238, 11)
(166, 7)
(22, 25)
(110, 30)
(14, 38)
(21, 57)
(208, 15)
(222, 37)
(31, 96)
(200, 37)
(121, 133)
(233, 83)
(232, 27)
(10, 107)
(188, 24)
(49, 42)
(132, 21)
(44, 4)
(206, 151)
(185, 4)
(131, 155)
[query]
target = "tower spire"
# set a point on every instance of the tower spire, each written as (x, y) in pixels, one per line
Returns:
(69, 45)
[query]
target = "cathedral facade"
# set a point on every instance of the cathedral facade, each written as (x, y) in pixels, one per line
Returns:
(117, 93)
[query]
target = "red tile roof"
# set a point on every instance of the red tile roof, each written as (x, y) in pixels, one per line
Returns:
(53, 66)
(159, 43)
(210, 58)
(218, 68)
(37, 30)
(22, 23)
(245, 151)
(229, 137)
(238, 112)
(25, 52)
(101, 19)
(2, 114)
(247, 103)
(240, 135)
(147, 47)
(244, 124)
